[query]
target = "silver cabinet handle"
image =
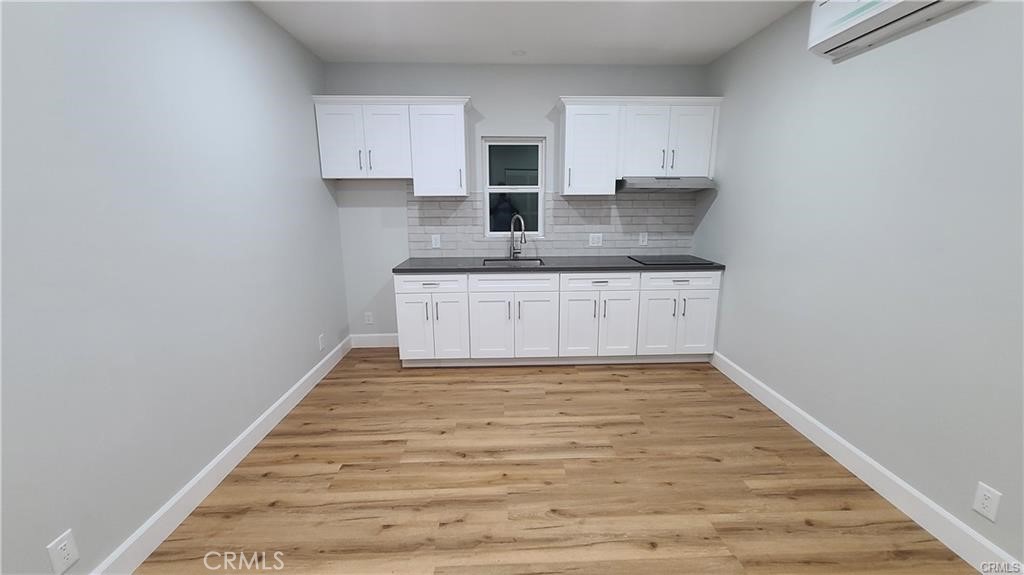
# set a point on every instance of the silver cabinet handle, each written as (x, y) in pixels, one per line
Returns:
(599, 282)
(605, 312)
(426, 309)
(684, 308)
(680, 281)
(673, 165)
(369, 157)
(360, 160)
(430, 284)
(674, 305)
(509, 309)
(460, 178)
(570, 178)
(519, 310)
(437, 316)
(595, 308)
(663, 159)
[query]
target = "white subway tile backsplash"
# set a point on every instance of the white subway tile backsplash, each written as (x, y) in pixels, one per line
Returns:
(668, 217)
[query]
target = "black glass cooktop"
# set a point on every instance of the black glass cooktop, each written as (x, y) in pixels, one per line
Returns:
(670, 260)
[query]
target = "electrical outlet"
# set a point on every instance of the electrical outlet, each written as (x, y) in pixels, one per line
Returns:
(986, 501)
(320, 340)
(643, 238)
(368, 318)
(63, 552)
(595, 240)
(435, 241)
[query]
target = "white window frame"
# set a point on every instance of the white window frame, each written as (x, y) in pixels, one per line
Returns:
(488, 141)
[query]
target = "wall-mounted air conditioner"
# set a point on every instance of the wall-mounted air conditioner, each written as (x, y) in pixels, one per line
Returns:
(843, 28)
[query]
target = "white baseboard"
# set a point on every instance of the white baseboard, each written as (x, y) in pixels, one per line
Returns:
(140, 544)
(970, 545)
(600, 360)
(374, 340)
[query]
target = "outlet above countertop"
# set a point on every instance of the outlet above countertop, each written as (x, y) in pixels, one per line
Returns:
(551, 264)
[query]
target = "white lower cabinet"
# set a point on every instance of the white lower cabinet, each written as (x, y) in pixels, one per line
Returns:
(677, 322)
(698, 315)
(523, 315)
(578, 323)
(618, 323)
(536, 324)
(491, 328)
(432, 325)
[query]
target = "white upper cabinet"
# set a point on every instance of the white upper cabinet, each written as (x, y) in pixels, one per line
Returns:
(645, 142)
(386, 137)
(692, 140)
(591, 149)
(340, 130)
(438, 150)
(395, 137)
(608, 138)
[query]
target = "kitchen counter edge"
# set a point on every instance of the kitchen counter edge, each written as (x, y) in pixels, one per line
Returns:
(553, 264)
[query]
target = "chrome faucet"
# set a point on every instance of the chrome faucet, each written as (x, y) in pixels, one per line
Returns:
(513, 251)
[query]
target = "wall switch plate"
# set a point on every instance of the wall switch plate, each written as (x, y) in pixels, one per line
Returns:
(595, 240)
(435, 241)
(986, 501)
(320, 340)
(63, 552)
(643, 238)
(368, 318)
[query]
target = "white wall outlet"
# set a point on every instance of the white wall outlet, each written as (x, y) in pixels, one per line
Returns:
(368, 318)
(435, 241)
(320, 340)
(63, 552)
(643, 238)
(986, 501)
(595, 240)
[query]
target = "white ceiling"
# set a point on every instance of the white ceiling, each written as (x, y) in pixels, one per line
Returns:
(548, 32)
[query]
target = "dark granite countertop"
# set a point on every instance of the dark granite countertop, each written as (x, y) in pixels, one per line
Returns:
(551, 264)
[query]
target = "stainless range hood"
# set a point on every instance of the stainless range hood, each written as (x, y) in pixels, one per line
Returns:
(683, 184)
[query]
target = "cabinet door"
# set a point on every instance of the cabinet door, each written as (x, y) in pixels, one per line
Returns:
(578, 323)
(339, 129)
(656, 333)
(591, 150)
(618, 322)
(386, 130)
(415, 329)
(451, 325)
(698, 317)
(645, 144)
(491, 327)
(691, 137)
(536, 324)
(438, 150)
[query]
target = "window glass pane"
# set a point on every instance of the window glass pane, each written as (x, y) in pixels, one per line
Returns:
(512, 164)
(502, 206)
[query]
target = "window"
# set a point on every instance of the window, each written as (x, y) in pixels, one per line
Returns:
(514, 185)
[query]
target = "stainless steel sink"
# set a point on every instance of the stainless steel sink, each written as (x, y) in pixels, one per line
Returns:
(516, 263)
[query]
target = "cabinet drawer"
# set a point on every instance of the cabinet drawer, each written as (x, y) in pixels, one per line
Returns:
(421, 283)
(680, 280)
(600, 281)
(519, 282)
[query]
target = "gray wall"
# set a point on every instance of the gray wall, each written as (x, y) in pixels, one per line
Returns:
(170, 255)
(869, 214)
(507, 100)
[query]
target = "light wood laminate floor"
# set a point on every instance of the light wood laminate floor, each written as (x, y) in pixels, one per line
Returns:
(638, 469)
